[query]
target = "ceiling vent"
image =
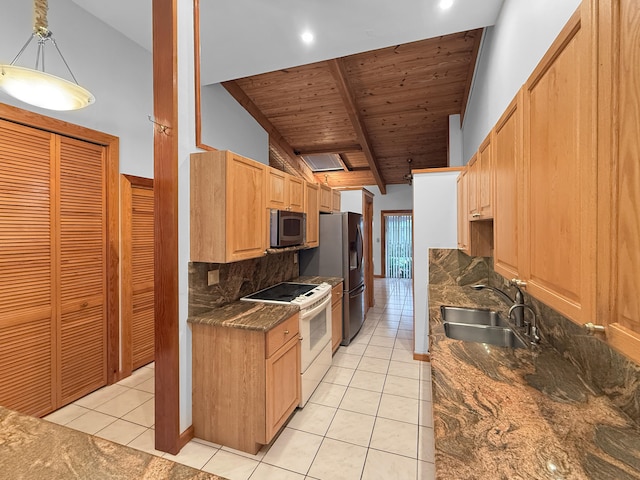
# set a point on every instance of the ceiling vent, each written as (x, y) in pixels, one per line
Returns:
(325, 162)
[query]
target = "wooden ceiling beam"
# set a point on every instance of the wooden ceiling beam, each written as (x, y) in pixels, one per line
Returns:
(276, 140)
(338, 71)
(328, 148)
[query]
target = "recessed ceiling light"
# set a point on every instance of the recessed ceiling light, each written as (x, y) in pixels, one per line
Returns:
(446, 4)
(307, 37)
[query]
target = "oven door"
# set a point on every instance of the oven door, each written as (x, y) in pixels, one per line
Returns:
(315, 331)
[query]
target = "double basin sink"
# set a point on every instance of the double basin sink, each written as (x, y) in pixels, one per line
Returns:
(479, 325)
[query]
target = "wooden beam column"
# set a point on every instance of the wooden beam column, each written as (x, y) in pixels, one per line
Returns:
(165, 147)
(337, 70)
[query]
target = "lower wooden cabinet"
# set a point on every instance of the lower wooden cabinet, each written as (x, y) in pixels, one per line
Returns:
(336, 317)
(246, 383)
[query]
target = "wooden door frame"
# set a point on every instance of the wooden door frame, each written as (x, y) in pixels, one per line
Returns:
(367, 219)
(111, 145)
(383, 238)
(127, 182)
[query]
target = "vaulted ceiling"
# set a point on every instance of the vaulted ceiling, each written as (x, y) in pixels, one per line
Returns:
(384, 112)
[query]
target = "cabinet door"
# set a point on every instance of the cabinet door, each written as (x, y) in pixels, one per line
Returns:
(313, 214)
(296, 193)
(619, 197)
(245, 215)
(277, 192)
(473, 172)
(560, 183)
(282, 386)
(463, 212)
(336, 316)
(325, 198)
(485, 179)
(335, 200)
(508, 216)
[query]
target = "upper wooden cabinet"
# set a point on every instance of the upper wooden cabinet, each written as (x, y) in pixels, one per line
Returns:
(284, 191)
(480, 182)
(560, 174)
(463, 209)
(472, 188)
(312, 209)
(509, 202)
(335, 200)
(619, 174)
(228, 215)
(325, 198)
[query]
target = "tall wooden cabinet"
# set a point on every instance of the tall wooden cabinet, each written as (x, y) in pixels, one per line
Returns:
(52, 269)
(228, 215)
(312, 208)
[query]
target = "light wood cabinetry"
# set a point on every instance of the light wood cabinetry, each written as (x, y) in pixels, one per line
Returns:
(473, 172)
(463, 213)
(246, 383)
(228, 215)
(336, 316)
(284, 191)
(335, 200)
(560, 175)
(485, 180)
(508, 207)
(325, 198)
(619, 174)
(312, 209)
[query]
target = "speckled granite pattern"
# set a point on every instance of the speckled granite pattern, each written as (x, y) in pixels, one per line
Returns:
(333, 281)
(31, 448)
(453, 267)
(246, 315)
(504, 413)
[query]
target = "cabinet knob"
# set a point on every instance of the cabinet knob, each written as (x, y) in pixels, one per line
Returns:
(286, 332)
(519, 283)
(475, 215)
(84, 304)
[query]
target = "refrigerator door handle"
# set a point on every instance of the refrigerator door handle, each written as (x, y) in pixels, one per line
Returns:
(357, 292)
(359, 249)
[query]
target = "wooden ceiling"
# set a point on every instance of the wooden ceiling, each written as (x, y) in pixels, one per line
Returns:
(376, 109)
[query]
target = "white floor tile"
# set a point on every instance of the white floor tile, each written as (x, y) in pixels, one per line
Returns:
(425, 414)
(124, 403)
(257, 457)
(269, 472)
(404, 387)
(143, 415)
(368, 381)
(146, 442)
(403, 369)
(426, 471)
(147, 385)
(101, 396)
(386, 332)
(425, 371)
(66, 414)
(339, 375)
(137, 377)
(401, 355)
(361, 339)
(378, 352)
(121, 432)
(231, 466)
(361, 401)
(351, 427)
(193, 454)
(353, 349)
(395, 437)
(293, 450)
(388, 466)
(328, 394)
(338, 461)
(376, 365)
(346, 360)
(402, 409)
(379, 341)
(313, 418)
(426, 444)
(91, 422)
(425, 390)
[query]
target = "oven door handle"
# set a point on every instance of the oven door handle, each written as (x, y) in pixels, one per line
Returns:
(315, 310)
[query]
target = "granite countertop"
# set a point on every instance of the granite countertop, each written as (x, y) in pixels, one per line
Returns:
(255, 315)
(503, 413)
(31, 448)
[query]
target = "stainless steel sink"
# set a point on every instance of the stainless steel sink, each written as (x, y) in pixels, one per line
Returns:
(475, 316)
(499, 336)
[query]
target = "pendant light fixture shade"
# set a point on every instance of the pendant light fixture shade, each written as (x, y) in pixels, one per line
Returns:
(35, 86)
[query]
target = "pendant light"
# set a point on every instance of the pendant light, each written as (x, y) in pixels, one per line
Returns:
(35, 86)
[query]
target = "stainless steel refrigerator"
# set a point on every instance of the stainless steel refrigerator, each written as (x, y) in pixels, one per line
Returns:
(340, 255)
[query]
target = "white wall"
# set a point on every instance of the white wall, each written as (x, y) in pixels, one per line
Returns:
(455, 141)
(226, 125)
(116, 70)
(435, 226)
(510, 51)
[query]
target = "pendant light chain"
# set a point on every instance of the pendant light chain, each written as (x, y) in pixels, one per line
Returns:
(40, 23)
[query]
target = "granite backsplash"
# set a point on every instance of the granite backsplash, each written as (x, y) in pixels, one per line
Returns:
(237, 279)
(601, 366)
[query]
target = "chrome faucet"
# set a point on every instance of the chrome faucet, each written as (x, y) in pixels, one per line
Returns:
(518, 302)
(531, 328)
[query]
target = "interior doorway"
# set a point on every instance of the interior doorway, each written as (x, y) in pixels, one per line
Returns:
(367, 219)
(397, 241)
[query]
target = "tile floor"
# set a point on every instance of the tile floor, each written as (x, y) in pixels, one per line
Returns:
(370, 418)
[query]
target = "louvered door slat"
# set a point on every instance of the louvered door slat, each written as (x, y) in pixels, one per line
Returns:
(82, 269)
(26, 329)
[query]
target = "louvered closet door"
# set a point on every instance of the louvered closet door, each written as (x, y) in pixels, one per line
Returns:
(142, 318)
(26, 324)
(82, 281)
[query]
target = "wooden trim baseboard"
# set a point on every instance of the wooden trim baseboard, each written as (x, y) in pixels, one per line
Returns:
(186, 436)
(378, 276)
(423, 357)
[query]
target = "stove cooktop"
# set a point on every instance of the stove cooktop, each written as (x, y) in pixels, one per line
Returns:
(282, 292)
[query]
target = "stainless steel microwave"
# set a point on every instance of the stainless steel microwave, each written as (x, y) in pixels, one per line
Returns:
(287, 228)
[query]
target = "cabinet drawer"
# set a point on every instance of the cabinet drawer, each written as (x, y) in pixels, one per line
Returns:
(281, 334)
(336, 293)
